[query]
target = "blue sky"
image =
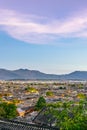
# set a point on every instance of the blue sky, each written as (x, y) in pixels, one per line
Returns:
(45, 35)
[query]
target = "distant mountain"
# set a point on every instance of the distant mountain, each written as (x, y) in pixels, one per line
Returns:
(79, 75)
(25, 74)
(7, 74)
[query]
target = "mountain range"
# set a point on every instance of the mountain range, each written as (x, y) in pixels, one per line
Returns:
(25, 74)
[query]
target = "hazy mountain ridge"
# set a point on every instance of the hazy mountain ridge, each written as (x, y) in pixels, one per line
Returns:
(34, 74)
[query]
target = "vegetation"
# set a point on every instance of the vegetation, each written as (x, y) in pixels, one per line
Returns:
(81, 96)
(62, 87)
(16, 101)
(7, 110)
(49, 93)
(70, 115)
(31, 89)
(80, 86)
(40, 103)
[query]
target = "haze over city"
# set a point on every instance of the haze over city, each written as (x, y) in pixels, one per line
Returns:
(45, 35)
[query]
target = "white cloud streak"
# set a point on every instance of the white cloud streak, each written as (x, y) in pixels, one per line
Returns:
(40, 30)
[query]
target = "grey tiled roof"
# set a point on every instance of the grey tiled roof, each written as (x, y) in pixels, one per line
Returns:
(15, 125)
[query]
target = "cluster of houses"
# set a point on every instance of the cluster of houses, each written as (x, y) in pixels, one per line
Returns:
(15, 91)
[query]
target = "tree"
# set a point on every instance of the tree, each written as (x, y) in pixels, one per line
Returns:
(81, 96)
(49, 93)
(40, 103)
(69, 115)
(31, 89)
(2, 112)
(8, 110)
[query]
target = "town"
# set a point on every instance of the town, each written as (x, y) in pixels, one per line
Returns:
(25, 94)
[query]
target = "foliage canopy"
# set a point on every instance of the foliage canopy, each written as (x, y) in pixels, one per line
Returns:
(70, 115)
(40, 103)
(7, 110)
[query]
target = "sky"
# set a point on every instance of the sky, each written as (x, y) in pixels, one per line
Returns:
(45, 35)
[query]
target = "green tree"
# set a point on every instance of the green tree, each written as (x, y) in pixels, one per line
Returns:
(49, 93)
(81, 96)
(2, 112)
(40, 103)
(8, 110)
(69, 115)
(31, 89)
